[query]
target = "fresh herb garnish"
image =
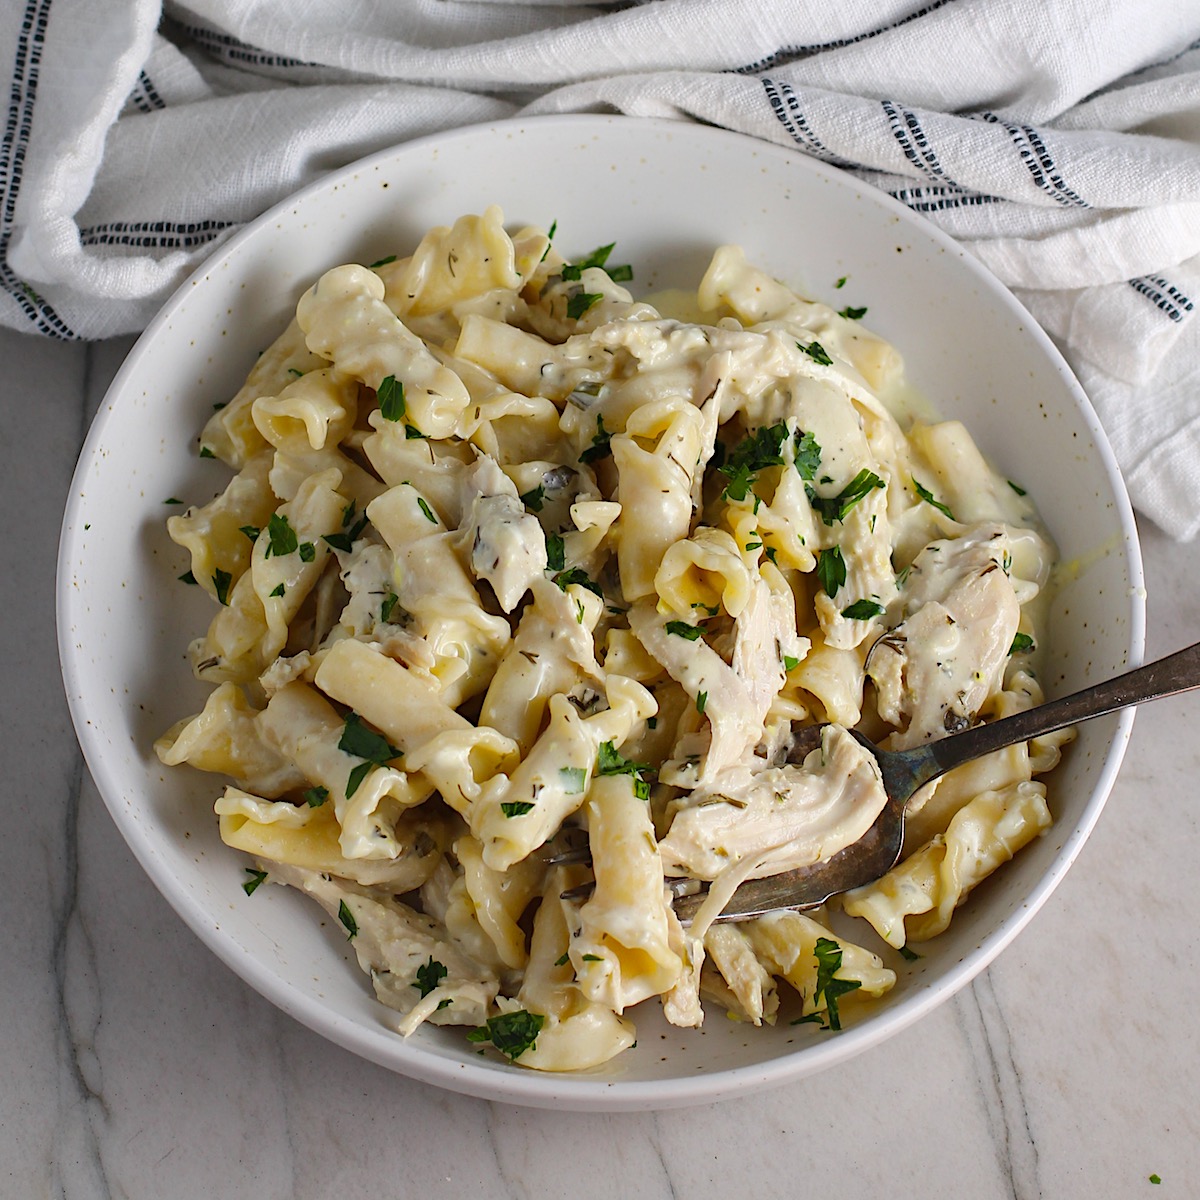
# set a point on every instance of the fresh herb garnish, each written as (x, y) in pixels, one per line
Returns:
(701, 702)
(907, 954)
(429, 976)
(282, 537)
(555, 554)
(862, 610)
(251, 884)
(516, 808)
(534, 498)
(221, 581)
(831, 569)
(362, 742)
(790, 663)
(251, 531)
(390, 394)
(829, 961)
(356, 776)
(278, 590)
(188, 578)
(816, 352)
(424, 507)
(388, 607)
(347, 919)
(1021, 644)
(206, 452)
(1016, 488)
(610, 762)
(579, 577)
(853, 314)
(684, 630)
(172, 500)
(511, 1033)
(344, 539)
(927, 496)
(578, 304)
(841, 283)
(808, 456)
(601, 444)
(383, 262)
(752, 454)
(835, 508)
(307, 551)
(316, 796)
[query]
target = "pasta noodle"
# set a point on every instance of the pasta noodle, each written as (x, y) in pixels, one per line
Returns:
(515, 571)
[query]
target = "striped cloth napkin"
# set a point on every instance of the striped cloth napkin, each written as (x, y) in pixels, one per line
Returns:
(1058, 139)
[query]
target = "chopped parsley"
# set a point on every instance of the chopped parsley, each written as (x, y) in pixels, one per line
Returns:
(790, 663)
(296, 372)
(511, 1033)
(307, 551)
(221, 581)
(841, 283)
(578, 304)
(172, 500)
(807, 457)
(424, 507)
(390, 395)
(752, 454)
(535, 498)
(347, 919)
(610, 762)
(816, 352)
(187, 577)
(701, 702)
(251, 884)
(908, 955)
(835, 508)
(862, 610)
(412, 433)
(1022, 644)
(345, 538)
(831, 569)
(278, 590)
(388, 607)
(1155, 1178)
(853, 314)
(1016, 488)
(684, 630)
(206, 452)
(600, 447)
(829, 961)
(599, 258)
(516, 808)
(316, 796)
(579, 577)
(927, 496)
(356, 776)
(383, 262)
(251, 531)
(429, 976)
(282, 537)
(592, 958)
(362, 742)
(555, 553)
(574, 779)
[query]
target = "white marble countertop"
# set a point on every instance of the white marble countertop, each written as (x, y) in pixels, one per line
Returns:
(133, 1063)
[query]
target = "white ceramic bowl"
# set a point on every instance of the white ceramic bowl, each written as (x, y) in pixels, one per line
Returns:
(668, 193)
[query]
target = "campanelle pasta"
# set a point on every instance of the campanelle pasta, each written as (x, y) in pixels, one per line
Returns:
(516, 571)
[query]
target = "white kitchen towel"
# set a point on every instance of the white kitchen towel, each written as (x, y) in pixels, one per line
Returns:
(1058, 139)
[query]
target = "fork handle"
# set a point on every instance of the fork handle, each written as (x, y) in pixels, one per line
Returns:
(1178, 672)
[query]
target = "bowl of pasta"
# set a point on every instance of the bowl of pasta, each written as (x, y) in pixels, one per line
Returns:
(456, 559)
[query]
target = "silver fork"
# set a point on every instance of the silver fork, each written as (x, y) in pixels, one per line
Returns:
(904, 771)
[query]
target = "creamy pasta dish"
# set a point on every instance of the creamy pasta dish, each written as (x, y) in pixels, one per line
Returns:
(523, 590)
